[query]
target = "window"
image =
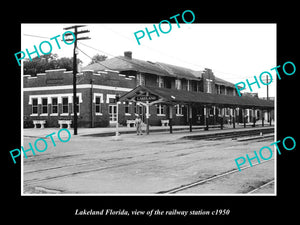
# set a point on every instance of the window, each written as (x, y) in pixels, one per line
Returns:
(34, 106)
(135, 106)
(140, 79)
(194, 85)
(160, 81)
(126, 107)
(167, 82)
(178, 84)
(179, 110)
(227, 111)
(209, 85)
(160, 110)
(98, 100)
(65, 105)
(234, 92)
(98, 104)
(54, 105)
(44, 105)
(138, 109)
(218, 87)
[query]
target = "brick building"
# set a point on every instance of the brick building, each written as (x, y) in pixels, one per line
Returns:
(48, 97)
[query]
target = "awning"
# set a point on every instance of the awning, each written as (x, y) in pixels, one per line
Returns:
(174, 96)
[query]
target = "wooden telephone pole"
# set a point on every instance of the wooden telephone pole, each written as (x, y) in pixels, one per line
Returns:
(75, 103)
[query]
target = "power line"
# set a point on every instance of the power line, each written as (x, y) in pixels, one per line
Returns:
(110, 55)
(97, 49)
(153, 49)
(170, 56)
(37, 36)
(92, 59)
(163, 53)
(216, 71)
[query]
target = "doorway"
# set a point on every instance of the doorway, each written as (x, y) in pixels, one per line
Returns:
(112, 110)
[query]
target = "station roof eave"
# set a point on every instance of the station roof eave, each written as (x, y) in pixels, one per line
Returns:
(174, 96)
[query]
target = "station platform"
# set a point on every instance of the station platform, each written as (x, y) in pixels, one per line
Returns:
(183, 130)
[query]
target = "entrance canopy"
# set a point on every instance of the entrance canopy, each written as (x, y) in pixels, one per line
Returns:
(174, 96)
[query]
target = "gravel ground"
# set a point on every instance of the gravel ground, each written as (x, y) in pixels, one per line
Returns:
(142, 165)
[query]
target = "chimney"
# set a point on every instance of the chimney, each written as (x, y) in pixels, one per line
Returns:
(128, 54)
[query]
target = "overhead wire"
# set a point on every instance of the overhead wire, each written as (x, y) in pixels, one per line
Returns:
(92, 59)
(170, 56)
(111, 55)
(37, 36)
(160, 52)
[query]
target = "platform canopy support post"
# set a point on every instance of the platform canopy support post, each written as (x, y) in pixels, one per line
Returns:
(262, 118)
(206, 118)
(253, 117)
(244, 117)
(270, 117)
(222, 117)
(190, 117)
(233, 117)
(170, 118)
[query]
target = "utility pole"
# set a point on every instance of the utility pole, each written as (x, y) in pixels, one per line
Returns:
(267, 87)
(268, 111)
(75, 103)
(268, 114)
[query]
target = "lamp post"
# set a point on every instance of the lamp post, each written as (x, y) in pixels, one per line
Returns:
(91, 108)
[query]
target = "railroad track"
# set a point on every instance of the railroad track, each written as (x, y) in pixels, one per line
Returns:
(95, 168)
(64, 175)
(215, 177)
(261, 186)
(79, 164)
(231, 134)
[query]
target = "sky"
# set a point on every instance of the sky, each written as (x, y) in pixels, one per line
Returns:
(234, 52)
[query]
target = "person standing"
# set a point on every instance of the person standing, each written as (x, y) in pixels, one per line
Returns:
(138, 125)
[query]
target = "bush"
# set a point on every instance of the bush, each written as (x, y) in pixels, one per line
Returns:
(27, 124)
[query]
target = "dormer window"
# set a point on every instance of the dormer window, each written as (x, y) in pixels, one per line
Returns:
(178, 84)
(160, 81)
(209, 85)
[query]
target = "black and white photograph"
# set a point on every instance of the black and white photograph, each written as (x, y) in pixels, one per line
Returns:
(149, 118)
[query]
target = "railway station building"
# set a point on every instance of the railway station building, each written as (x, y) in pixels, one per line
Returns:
(160, 93)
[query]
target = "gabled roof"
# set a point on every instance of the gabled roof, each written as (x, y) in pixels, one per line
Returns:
(174, 96)
(122, 63)
(220, 81)
(178, 71)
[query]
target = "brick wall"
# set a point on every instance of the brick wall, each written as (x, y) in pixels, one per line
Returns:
(58, 83)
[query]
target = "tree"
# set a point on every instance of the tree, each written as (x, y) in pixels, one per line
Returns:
(47, 62)
(98, 58)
